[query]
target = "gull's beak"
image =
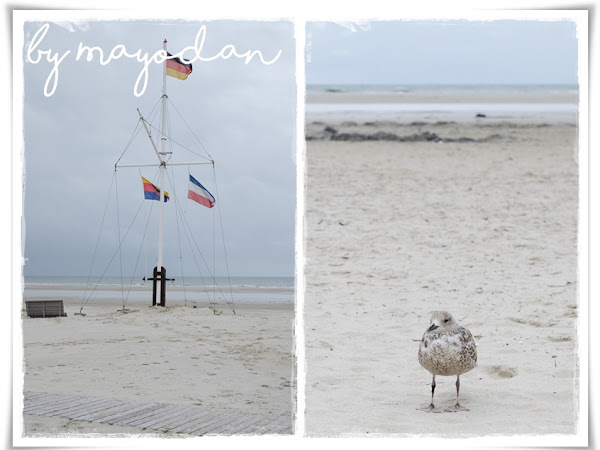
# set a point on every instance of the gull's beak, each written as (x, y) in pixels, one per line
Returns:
(432, 327)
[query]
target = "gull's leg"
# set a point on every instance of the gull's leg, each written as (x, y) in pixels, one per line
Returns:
(431, 407)
(457, 407)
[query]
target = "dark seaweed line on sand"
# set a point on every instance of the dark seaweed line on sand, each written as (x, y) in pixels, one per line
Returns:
(331, 134)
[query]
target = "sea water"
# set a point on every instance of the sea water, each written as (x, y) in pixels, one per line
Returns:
(528, 108)
(182, 289)
(497, 89)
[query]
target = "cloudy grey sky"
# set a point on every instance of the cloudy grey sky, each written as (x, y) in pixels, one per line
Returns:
(442, 52)
(242, 114)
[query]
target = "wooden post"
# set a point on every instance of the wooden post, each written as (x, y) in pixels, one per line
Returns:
(162, 277)
(154, 280)
(163, 286)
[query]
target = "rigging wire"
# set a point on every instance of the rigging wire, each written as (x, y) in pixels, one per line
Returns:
(119, 237)
(191, 131)
(177, 220)
(139, 253)
(137, 261)
(136, 131)
(182, 215)
(86, 300)
(181, 145)
(179, 215)
(214, 240)
(187, 235)
(147, 217)
(223, 236)
(181, 261)
(218, 288)
(98, 239)
(218, 206)
(214, 218)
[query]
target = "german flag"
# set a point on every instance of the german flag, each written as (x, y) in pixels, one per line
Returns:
(177, 68)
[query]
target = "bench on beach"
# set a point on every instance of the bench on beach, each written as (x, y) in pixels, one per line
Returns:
(45, 308)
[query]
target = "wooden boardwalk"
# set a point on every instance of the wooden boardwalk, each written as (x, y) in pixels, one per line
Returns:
(160, 417)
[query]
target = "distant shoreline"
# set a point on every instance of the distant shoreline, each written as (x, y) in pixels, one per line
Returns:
(148, 287)
(453, 97)
(104, 305)
(436, 105)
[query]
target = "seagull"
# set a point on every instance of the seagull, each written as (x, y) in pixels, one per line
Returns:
(447, 349)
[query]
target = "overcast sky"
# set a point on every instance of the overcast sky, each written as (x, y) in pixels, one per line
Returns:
(243, 115)
(442, 52)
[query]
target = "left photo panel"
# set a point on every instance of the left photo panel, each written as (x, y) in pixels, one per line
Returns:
(158, 182)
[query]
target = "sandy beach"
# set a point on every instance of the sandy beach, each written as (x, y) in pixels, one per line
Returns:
(414, 213)
(182, 355)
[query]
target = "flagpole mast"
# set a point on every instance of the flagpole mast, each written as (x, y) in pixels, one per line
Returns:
(163, 142)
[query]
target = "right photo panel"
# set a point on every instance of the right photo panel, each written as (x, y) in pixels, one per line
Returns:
(441, 237)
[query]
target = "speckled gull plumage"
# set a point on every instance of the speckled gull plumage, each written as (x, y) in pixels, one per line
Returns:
(447, 349)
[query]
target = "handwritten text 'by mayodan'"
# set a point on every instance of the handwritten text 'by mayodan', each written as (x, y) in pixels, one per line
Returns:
(35, 55)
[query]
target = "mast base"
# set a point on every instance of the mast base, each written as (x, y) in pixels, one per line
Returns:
(162, 277)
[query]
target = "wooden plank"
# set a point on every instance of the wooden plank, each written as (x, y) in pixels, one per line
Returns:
(41, 406)
(155, 416)
(249, 420)
(195, 423)
(213, 423)
(264, 427)
(30, 396)
(185, 421)
(283, 420)
(162, 417)
(63, 405)
(41, 400)
(187, 415)
(204, 421)
(133, 413)
(133, 419)
(145, 420)
(75, 410)
(286, 429)
(252, 427)
(274, 426)
(111, 403)
(56, 397)
(120, 407)
(116, 416)
(47, 399)
(97, 405)
(54, 406)
(150, 415)
(231, 424)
